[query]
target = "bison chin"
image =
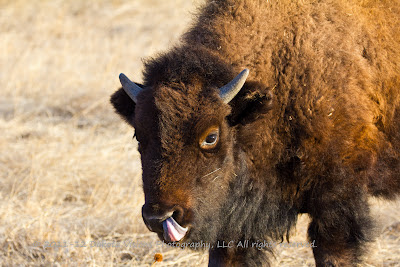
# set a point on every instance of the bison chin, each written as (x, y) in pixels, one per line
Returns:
(203, 229)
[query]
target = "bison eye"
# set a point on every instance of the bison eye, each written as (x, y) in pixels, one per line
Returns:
(209, 139)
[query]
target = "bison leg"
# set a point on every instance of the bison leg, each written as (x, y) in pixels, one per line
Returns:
(237, 257)
(340, 226)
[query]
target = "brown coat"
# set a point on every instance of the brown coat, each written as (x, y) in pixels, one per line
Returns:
(315, 129)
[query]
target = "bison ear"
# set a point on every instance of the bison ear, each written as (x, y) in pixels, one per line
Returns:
(254, 100)
(124, 105)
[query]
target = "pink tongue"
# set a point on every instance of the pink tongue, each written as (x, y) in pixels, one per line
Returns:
(173, 230)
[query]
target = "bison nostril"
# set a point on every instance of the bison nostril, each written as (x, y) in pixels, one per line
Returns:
(178, 213)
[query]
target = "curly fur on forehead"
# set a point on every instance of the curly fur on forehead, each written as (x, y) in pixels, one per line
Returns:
(187, 65)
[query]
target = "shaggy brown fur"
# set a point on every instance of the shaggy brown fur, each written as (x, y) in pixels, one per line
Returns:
(315, 129)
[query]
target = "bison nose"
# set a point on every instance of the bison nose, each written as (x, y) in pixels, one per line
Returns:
(153, 216)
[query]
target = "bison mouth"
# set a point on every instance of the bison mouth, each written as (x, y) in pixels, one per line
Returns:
(173, 231)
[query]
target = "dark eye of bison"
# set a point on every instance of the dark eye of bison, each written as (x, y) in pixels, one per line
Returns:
(209, 139)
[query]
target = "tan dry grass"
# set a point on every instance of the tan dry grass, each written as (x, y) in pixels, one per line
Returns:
(69, 170)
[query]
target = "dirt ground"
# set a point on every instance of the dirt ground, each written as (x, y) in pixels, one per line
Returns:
(70, 177)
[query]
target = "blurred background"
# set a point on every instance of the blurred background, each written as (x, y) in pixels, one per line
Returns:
(69, 169)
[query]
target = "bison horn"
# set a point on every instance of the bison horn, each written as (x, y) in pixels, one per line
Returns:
(131, 88)
(230, 90)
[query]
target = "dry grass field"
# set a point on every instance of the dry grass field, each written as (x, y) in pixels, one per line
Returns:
(70, 179)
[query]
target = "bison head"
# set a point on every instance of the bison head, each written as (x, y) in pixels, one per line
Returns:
(187, 136)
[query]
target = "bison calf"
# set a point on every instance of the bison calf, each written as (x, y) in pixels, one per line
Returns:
(265, 110)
